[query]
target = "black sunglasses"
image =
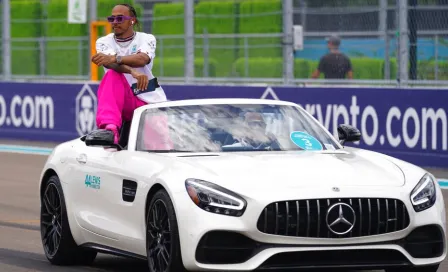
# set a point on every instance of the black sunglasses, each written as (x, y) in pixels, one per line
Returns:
(118, 19)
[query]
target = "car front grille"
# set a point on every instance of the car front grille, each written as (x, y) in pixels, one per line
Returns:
(308, 218)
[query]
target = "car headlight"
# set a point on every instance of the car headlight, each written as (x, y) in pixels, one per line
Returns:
(423, 196)
(215, 199)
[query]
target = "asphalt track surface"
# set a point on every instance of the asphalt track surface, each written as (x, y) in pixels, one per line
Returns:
(20, 244)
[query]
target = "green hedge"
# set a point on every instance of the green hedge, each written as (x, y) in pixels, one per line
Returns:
(169, 20)
(25, 57)
(363, 68)
(355, 3)
(105, 7)
(261, 16)
(221, 17)
(270, 68)
(212, 17)
(174, 67)
(74, 53)
(218, 18)
(425, 69)
(65, 57)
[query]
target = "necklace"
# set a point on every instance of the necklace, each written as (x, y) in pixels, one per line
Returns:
(124, 42)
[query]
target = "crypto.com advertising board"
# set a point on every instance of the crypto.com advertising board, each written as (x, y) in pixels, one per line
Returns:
(410, 124)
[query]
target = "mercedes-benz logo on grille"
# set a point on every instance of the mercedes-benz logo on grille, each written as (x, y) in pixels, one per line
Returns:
(341, 218)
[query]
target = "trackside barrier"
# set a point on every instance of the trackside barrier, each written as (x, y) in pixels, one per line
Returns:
(410, 124)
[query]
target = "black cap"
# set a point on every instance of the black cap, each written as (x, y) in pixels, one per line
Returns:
(334, 39)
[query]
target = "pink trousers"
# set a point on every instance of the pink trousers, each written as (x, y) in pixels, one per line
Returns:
(116, 103)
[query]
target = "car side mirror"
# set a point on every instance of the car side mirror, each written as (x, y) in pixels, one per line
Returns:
(348, 133)
(101, 137)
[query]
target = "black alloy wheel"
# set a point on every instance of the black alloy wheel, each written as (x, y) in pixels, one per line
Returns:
(59, 246)
(51, 220)
(162, 238)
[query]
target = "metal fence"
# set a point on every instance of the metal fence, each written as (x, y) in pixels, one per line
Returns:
(389, 42)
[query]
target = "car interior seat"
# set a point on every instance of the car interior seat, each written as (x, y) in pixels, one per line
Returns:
(124, 134)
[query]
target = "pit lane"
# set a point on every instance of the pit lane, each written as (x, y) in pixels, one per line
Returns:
(20, 244)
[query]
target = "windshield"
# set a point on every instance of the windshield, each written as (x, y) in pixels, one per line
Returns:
(228, 128)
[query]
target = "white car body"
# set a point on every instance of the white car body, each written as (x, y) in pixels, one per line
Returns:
(101, 219)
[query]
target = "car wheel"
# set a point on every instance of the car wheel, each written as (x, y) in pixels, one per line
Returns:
(429, 268)
(162, 235)
(59, 246)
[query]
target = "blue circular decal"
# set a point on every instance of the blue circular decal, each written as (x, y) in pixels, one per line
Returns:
(305, 141)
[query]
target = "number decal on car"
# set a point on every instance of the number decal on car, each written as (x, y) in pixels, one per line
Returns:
(305, 141)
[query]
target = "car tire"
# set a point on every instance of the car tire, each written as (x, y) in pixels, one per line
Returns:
(61, 249)
(429, 268)
(162, 235)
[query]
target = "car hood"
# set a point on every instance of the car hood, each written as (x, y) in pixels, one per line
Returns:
(297, 169)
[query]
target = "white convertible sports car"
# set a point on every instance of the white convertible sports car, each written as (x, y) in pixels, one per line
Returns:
(238, 185)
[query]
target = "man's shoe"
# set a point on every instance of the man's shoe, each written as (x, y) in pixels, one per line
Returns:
(114, 129)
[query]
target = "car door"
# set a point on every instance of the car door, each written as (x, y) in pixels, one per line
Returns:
(96, 182)
(123, 201)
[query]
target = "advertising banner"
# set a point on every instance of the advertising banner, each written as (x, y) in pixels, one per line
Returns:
(45, 112)
(409, 124)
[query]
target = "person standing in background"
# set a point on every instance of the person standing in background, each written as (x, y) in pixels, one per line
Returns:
(335, 64)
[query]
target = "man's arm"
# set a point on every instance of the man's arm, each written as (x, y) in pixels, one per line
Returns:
(133, 61)
(136, 60)
(350, 69)
(123, 68)
(142, 79)
(350, 74)
(315, 74)
(106, 56)
(146, 52)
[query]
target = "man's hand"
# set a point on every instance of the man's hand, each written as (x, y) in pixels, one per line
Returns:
(142, 80)
(101, 59)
